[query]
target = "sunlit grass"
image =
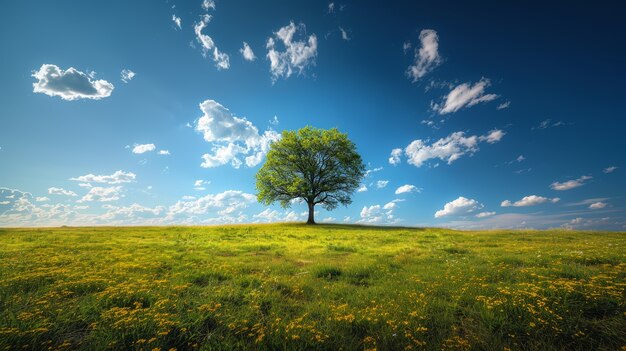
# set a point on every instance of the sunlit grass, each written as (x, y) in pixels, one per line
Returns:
(290, 287)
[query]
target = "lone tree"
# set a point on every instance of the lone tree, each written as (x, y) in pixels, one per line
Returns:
(319, 166)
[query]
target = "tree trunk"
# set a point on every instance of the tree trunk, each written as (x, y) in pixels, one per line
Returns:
(311, 219)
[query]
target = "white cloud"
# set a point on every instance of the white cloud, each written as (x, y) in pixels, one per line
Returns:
(132, 212)
(597, 205)
(208, 46)
(464, 95)
(427, 57)
(377, 214)
(504, 105)
(493, 137)
(381, 184)
(372, 170)
(70, 84)
(570, 184)
(208, 4)
(297, 56)
(459, 206)
(247, 52)
(394, 158)
(407, 188)
(545, 124)
(530, 200)
(177, 21)
(609, 169)
(344, 34)
(331, 7)
(485, 214)
(127, 75)
(102, 194)
(274, 121)
(116, 178)
(448, 149)
(231, 136)
(141, 148)
(520, 158)
(61, 191)
(362, 188)
(42, 199)
(200, 184)
(225, 204)
(164, 152)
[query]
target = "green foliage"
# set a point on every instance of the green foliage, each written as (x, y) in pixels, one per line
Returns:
(298, 287)
(320, 167)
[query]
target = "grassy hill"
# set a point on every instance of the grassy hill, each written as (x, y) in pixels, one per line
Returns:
(290, 287)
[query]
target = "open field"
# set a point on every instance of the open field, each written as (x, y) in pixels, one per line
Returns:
(290, 287)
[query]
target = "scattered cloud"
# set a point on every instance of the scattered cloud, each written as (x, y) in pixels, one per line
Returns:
(460, 206)
(344, 34)
(61, 191)
(493, 137)
(597, 205)
(427, 57)
(570, 184)
(464, 95)
(208, 4)
(118, 177)
(610, 169)
(177, 21)
(407, 188)
(297, 55)
(504, 105)
(221, 59)
(448, 149)
(142, 148)
(373, 170)
(394, 158)
(485, 214)
(70, 84)
(247, 52)
(42, 199)
(200, 184)
(164, 152)
(274, 121)
(102, 194)
(545, 124)
(127, 75)
(530, 200)
(378, 214)
(362, 189)
(381, 184)
(232, 137)
(225, 205)
(331, 7)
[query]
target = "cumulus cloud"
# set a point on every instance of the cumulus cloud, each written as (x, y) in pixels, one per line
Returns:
(530, 200)
(70, 84)
(131, 213)
(597, 205)
(232, 137)
(247, 52)
(225, 204)
(362, 188)
(485, 214)
(164, 152)
(142, 148)
(407, 188)
(42, 199)
(464, 95)
(378, 214)
(570, 184)
(427, 57)
(199, 184)
(448, 149)
(208, 4)
(61, 191)
(493, 137)
(118, 177)
(394, 158)
(177, 21)
(221, 59)
(609, 169)
(102, 194)
(381, 184)
(297, 55)
(127, 75)
(459, 206)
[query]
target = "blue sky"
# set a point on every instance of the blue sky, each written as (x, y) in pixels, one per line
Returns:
(469, 116)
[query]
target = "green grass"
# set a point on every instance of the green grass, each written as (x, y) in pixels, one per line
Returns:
(295, 287)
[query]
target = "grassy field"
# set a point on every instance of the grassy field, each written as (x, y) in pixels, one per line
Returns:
(290, 287)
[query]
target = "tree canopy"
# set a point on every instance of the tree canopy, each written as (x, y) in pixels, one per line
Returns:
(317, 166)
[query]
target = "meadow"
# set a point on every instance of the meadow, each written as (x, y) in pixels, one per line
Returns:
(323, 287)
